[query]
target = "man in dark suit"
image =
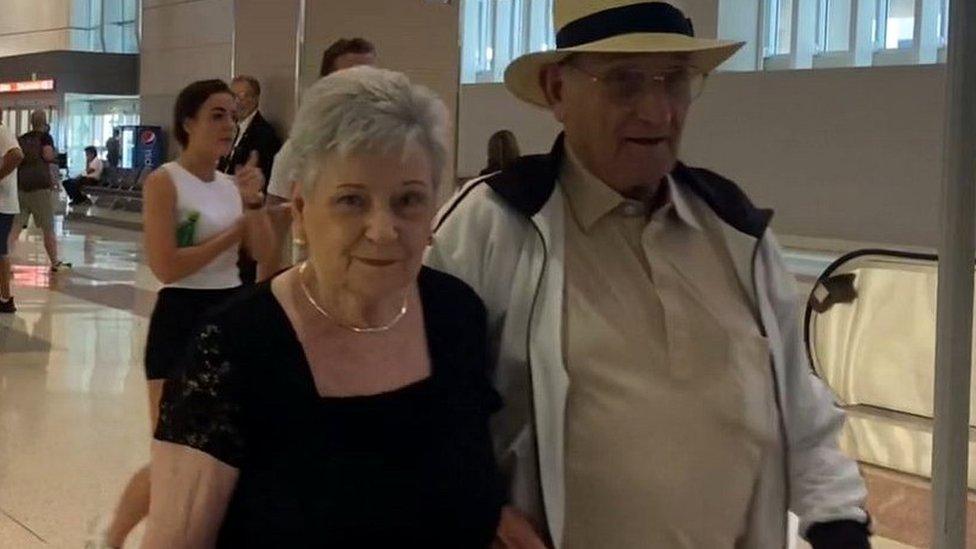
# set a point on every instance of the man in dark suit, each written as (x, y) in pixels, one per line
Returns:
(254, 133)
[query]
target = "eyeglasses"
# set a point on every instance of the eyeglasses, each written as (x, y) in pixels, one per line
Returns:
(626, 85)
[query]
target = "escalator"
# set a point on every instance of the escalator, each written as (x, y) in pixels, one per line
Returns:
(870, 328)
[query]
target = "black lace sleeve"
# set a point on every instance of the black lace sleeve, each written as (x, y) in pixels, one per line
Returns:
(202, 407)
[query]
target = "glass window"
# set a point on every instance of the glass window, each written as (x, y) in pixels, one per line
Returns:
(944, 23)
(120, 26)
(86, 17)
(895, 25)
(834, 25)
(89, 121)
(779, 27)
(105, 25)
(497, 31)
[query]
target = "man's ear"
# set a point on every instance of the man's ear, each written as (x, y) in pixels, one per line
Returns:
(551, 81)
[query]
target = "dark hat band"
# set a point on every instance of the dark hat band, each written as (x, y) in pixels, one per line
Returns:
(656, 17)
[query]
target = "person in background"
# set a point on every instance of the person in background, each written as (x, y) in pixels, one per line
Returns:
(658, 393)
(195, 220)
(254, 135)
(9, 208)
(347, 53)
(503, 149)
(36, 186)
(254, 132)
(57, 181)
(344, 403)
(113, 149)
(92, 176)
(342, 54)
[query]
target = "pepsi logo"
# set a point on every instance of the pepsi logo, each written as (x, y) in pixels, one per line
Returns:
(148, 137)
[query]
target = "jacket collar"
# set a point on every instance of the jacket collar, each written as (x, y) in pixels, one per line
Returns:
(530, 181)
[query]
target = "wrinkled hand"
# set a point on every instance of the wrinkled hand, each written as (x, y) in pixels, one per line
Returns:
(250, 180)
(515, 531)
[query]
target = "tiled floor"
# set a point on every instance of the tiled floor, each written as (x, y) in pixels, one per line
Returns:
(73, 418)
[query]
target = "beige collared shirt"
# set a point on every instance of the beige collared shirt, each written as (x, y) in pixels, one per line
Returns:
(670, 405)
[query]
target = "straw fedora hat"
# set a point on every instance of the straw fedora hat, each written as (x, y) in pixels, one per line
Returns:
(615, 26)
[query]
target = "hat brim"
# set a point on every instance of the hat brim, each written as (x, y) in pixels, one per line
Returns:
(522, 75)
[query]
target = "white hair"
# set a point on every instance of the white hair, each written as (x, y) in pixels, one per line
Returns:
(365, 109)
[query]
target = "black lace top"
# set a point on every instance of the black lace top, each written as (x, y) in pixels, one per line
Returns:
(409, 468)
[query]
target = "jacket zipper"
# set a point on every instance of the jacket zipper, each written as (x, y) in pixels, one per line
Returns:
(777, 397)
(528, 357)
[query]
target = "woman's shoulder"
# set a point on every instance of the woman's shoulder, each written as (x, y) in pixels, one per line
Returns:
(445, 290)
(248, 304)
(162, 179)
(251, 329)
(251, 311)
(170, 170)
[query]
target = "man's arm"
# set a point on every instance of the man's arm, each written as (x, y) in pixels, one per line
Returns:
(281, 176)
(826, 488)
(48, 153)
(11, 159)
(479, 240)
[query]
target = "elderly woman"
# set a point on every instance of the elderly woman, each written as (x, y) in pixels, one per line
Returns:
(346, 401)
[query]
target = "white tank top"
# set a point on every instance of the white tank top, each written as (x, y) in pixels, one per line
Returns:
(218, 204)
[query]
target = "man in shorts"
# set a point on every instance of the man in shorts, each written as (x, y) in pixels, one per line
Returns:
(35, 186)
(10, 158)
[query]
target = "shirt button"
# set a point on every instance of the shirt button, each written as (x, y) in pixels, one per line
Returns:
(632, 209)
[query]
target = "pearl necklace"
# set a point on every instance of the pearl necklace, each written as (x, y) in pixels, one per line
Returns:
(357, 329)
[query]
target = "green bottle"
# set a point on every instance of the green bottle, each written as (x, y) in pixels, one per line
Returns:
(186, 230)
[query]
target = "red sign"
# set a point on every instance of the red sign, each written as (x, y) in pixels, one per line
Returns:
(28, 86)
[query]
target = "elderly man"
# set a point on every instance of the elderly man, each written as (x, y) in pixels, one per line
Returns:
(643, 322)
(254, 133)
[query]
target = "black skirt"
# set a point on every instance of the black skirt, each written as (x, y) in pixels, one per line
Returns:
(175, 319)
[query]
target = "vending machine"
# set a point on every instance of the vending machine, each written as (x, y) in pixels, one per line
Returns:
(142, 146)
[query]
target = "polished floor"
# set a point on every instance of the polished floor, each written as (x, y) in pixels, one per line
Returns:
(73, 414)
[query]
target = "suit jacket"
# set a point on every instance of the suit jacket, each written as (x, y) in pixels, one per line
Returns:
(260, 136)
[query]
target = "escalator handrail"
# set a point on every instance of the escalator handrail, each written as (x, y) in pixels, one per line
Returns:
(832, 268)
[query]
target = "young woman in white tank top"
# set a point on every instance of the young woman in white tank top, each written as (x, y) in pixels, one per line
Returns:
(195, 221)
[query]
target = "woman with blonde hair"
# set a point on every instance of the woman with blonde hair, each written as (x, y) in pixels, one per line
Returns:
(503, 149)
